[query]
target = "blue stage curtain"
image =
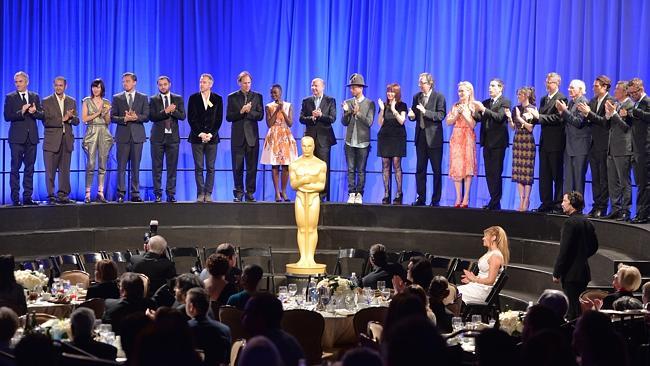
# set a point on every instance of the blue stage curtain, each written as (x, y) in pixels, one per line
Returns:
(290, 42)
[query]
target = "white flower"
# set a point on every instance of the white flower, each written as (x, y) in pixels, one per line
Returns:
(30, 279)
(510, 322)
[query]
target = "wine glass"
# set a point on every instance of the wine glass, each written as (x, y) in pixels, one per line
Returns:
(325, 297)
(293, 289)
(381, 285)
(283, 293)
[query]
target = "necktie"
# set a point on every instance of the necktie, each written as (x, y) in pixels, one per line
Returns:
(129, 100)
(168, 122)
(22, 96)
(423, 101)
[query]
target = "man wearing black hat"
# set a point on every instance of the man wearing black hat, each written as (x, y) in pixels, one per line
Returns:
(358, 115)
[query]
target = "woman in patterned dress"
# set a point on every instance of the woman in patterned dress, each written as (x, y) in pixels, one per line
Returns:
(462, 144)
(523, 145)
(279, 146)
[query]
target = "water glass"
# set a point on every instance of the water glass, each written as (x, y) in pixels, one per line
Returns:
(456, 323)
(476, 320)
(103, 328)
(293, 289)
(367, 295)
(283, 293)
(108, 338)
(381, 285)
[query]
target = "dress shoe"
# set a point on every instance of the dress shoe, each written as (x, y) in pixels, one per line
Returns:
(596, 213)
(51, 201)
(64, 201)
(171, 198)
(250, 197)
(398, 199)
(625, 217)
(120, 199)
(16, 204)
(614, 215)
(158, 198)
(238, 198)
(418, 202)
(29, 202)
(136, 199)
(385, 200)
(542, 209)
(434, 204)
(100, 198)
(639, 220)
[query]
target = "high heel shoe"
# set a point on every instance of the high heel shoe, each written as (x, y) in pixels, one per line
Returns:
(464, 205)
(457, 205)
(398, 199)
(101, 198)
(284, 197)
(87, 199)
(278, 198)
(385, 200)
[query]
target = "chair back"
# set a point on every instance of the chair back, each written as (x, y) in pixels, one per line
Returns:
(406, 255)
(308, 327)
(121, 259)
(88, 261)
(591, 294)
(186, 259)
(459, 265)
(493, 297)
(441, 265)
(69, 262)
(70, 359)
(232, 317)
(262, 257)
(145, 281)
(206, 253)
(235, 351)
(40, 318)
(75, 277)
(351, 260)
(374, 330)
(364, 316)
(27, 265)
(96, 305)
(49, 264)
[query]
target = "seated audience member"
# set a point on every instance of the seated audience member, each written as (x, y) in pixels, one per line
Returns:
(137, 323)
(413, 342)
(131, 301)
(154, 264)
(209, 335)
(217, 286)
(250, 279)
(555, 300)
(420, 271)
(627, 303)
(35, 349)
(361, 356)
(260, 351)
(438, 291)
(184, 283)
(538, 318)
(418, 291)
(626, 280)
(8, 326)
(401, 306)
(82, 322)
(234, 273)
(382, 270)
(596, 342)
(495, 347)
(166, 341)
(263, 316)
(12, 294)
(646, 295)
(106, 281)
(548, 348)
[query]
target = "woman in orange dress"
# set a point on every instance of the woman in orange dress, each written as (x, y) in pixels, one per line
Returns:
(462, 144)
(279, 146)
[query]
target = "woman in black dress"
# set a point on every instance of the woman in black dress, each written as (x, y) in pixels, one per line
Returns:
(391, 140)
(106, 285)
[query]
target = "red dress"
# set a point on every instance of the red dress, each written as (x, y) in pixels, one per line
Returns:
(462, 146)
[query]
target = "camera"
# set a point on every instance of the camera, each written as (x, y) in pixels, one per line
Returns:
(153, 231)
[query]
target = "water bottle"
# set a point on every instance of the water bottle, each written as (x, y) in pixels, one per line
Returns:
(41, 269)
(313, 293)
(354, 280)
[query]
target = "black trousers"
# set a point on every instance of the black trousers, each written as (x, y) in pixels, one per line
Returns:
(323, 152)
(249, 155)
(551, 177)
(169, 151)
(572, 290)
(599, 186)
(59, 160)
(425, 155)
(22, 154)
(493, 159)
(129, 152)
(204, 157)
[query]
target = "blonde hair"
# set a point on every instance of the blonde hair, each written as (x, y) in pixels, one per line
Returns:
(501, 241)
(467, 85)
(629, 277)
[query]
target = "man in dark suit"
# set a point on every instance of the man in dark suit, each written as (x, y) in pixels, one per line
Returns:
(619, 153)
(205, 115)
(82, 323)
(131, 301)
(494, 139)
(22, 108)
(60, 112)
(578, 138)
(640, 117)
(578, 242)
(209, 335)
(130, 110)
(317, 113)
(165, 109)
(551, 145)
(153, 264)
(428, 110)
(594, 112)
(382, 269)
(245, 110)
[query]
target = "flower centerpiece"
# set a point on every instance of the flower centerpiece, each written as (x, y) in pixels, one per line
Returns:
(337, 285)
(30, 279)
(511, 322)
(58, 329)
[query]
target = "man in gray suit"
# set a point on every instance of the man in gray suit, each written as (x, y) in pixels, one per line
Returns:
(130, 110)
(60, 112)
(619, 153)
(578, 138)
(358, 115)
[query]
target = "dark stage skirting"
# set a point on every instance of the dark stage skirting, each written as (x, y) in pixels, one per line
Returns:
(30, 232)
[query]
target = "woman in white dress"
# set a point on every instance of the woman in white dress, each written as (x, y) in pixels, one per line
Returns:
(477, 287)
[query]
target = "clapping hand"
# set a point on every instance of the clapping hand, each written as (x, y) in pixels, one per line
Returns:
(561, 106)
(398, 284)
(583, 108)
(32, 108)
(508, 113)
(623, 112)
(420, 108)
(532, 112)
(170, 108)
(411, 114)
(479, 106)
(68, 115)
(380, 103)
(25, 108)
(246, 108)
(346, 107)
(467, 277)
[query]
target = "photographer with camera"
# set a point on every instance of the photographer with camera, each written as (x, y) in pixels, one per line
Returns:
(153, 263)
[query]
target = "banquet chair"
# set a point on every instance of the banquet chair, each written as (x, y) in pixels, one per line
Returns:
(96, 305)
(264, 258)
(456, 271)
(206, 253)
(406, 255)
(232, 317)
(69, 262)
(236, 350)
(442, 265)
(75, 277)
(364, 316)
(307, 327)
(374, 330)
(351, 260)
(490, 307)
(186, 259)
(49, 264)
(88, 261)
(40, 318)
(70, 359)
(145, 281)
(121, 259)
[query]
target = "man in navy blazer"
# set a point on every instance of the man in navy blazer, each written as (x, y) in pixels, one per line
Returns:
(494, 139)
(165, 109)
(639, 115)
(578, 138)
(22, 108)
(129, 111)
(428, 110)
(245, 110)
